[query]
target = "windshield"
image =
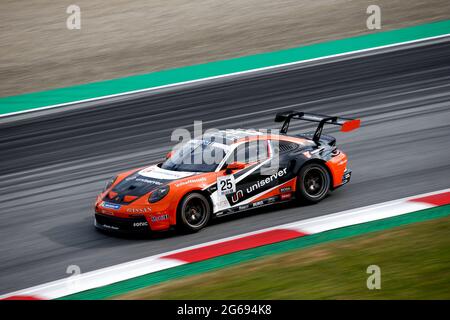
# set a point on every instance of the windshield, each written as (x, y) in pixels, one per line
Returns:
(196, 156)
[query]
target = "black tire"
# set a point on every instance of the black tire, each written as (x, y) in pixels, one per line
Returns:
(194, 212)
(313, 183)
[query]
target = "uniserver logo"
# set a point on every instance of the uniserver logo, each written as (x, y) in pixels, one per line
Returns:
(267, 180)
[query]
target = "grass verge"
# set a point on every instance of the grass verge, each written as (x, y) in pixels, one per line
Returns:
(414, 261)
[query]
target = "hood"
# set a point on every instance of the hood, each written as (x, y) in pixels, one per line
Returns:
(143, 182)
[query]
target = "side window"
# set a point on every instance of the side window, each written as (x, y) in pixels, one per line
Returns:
(253, 151)
(256, 151)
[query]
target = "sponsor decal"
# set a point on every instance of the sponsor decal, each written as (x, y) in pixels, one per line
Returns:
(226, 184)
(285, 189)
(346, 177)
(258, 203)
(189, 181)
(163, 174)
(138, 178)
(238, 195)
(109, 227)
(160, 218)
(268, 180)
(222, 202)
(107, 212)
(108, 205)
(139, 210)
(148, 181)
(244, 207)
(271, 199)
(285, 196)
(140, 224)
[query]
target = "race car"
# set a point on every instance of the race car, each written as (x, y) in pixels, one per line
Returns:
(250, 169)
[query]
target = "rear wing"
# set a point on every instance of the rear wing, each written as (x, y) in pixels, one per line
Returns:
(347, 124)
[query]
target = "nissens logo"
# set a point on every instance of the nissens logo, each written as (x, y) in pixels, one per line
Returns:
(139, 210)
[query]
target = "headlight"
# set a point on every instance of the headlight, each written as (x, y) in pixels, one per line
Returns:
(109, 183)
(158, 194)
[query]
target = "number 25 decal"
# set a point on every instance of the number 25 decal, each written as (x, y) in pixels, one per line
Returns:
(226, 185)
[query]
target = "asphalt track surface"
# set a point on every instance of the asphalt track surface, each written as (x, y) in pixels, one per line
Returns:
(54, 163)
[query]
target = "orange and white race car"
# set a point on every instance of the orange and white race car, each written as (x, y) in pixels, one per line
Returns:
(226, 172)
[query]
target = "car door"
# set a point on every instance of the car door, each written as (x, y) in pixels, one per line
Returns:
(249, 181)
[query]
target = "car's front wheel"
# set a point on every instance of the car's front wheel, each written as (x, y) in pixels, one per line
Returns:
(193, 213)
(313, 183)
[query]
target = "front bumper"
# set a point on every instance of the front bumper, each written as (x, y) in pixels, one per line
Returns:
(346, 177)
(121, 225)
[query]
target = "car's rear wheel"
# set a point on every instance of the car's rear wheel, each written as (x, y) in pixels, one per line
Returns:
(194, 212)
(313, 183)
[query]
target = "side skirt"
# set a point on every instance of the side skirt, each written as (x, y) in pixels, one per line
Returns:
(254, 205)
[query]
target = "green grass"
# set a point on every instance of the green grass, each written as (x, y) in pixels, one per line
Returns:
(414, 261)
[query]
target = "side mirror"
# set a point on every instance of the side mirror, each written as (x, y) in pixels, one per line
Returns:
(234, 166)
(169, 154)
